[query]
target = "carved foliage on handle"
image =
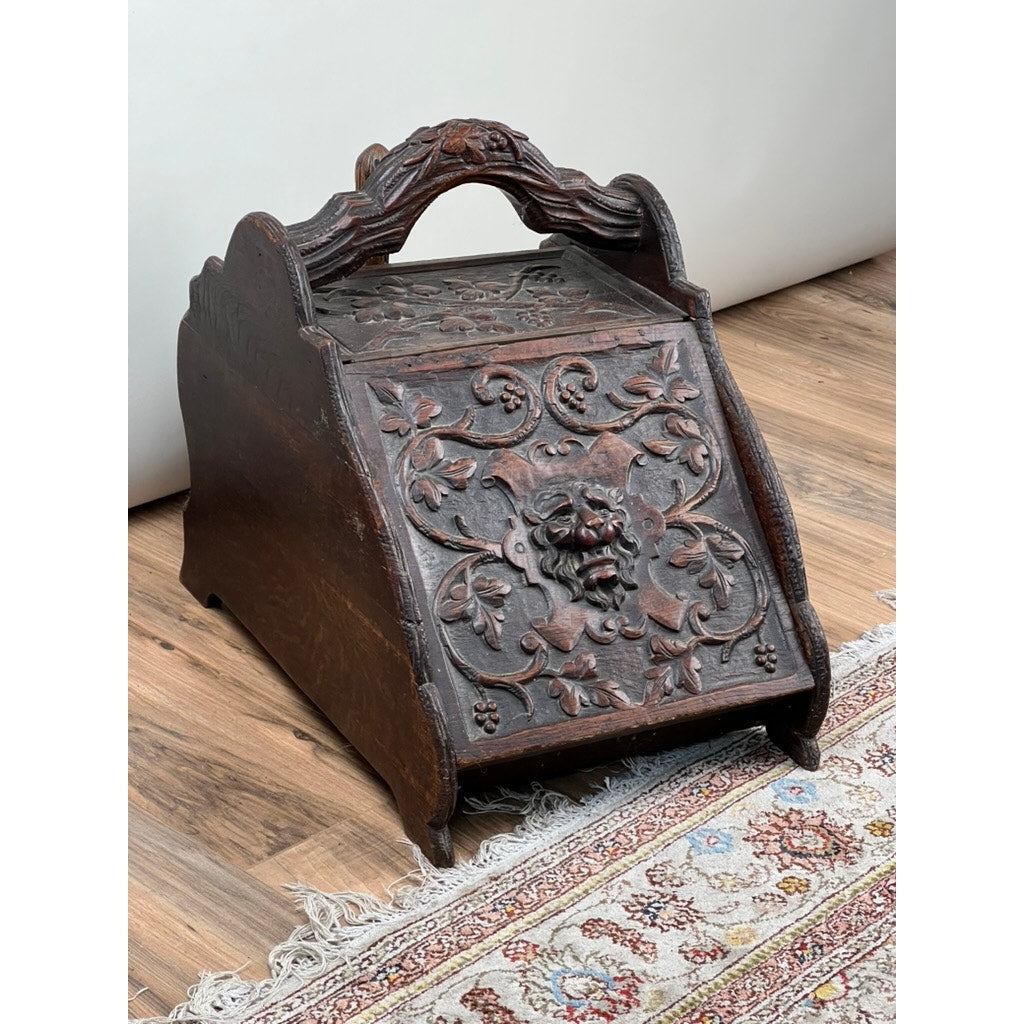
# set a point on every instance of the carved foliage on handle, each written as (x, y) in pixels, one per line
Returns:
(580, 533)
(353, 226)
(472, 142)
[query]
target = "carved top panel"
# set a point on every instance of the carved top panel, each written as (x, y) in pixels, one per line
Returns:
(454, 303)
(582, 541)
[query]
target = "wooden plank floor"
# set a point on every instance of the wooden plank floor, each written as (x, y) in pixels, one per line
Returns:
(237, 784)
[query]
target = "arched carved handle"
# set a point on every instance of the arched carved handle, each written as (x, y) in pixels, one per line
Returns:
(355, 226)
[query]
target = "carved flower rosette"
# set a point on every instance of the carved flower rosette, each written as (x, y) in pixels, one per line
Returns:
(577, 563)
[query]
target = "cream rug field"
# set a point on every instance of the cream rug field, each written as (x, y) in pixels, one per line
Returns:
(710, 885)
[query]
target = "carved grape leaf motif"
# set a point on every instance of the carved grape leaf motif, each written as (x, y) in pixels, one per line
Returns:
(576, 686)
(471, 320)
(710, 556)
(675, 665)
(434, 474)
(473, 291)
(393, 298)
(480, 601)
(408, 410)
(373, 309)
(664, 381)
(549, 294)
(388, 392)
(684, 444)
(534, 295)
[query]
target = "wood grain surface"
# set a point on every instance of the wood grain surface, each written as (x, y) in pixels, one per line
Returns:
(237, 783)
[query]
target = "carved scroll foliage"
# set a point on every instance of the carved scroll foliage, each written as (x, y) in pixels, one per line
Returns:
(423, 473)
(580, 531)
(661, 389)
(480, 600)
(576, 685)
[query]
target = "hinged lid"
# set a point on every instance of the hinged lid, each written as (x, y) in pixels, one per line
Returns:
(441, 304)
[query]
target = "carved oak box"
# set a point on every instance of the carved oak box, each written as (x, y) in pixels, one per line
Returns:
(496, 516)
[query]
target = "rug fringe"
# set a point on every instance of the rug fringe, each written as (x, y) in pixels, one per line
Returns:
(515, 801)
(887, 597)
(854, 651)
(338, 922)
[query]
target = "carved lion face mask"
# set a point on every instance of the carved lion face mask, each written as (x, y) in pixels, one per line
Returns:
(582, 531)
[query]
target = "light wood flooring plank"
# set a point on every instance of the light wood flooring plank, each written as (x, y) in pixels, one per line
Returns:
(190, 912)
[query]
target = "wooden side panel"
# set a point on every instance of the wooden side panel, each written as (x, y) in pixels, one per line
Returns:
(279, 525)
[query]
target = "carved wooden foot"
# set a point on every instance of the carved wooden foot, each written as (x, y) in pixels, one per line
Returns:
(434, 840)
(803, 749)
(198, 586)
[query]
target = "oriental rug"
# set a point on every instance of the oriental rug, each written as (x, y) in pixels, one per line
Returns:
(710, 885)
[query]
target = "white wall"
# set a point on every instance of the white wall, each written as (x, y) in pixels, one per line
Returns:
(769, 127)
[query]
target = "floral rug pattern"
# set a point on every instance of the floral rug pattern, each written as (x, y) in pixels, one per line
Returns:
(727, 886)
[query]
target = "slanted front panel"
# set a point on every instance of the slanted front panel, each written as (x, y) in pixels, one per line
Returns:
(586, 550)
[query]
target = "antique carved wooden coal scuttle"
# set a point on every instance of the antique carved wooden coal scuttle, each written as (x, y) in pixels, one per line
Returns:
(496, 516)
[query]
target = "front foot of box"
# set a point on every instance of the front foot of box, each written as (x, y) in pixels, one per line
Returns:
(434, 840)
(803, 749)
